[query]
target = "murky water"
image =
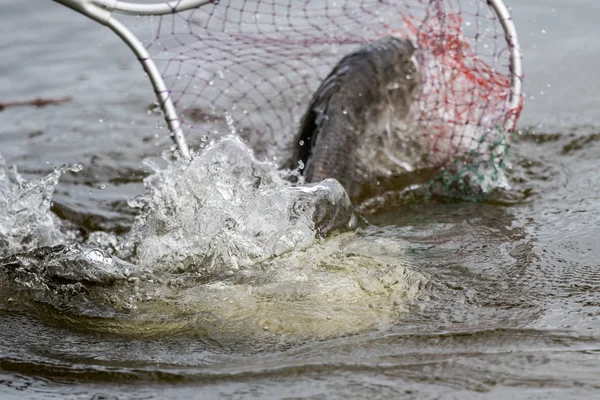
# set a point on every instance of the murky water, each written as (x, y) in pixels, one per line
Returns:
(497, 299)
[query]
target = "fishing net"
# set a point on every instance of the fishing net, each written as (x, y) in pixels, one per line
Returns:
(252, 66)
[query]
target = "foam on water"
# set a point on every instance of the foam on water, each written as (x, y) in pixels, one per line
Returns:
(347, 284)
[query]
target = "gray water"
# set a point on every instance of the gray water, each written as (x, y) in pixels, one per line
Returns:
(500, 298)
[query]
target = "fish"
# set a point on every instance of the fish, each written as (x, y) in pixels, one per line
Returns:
(358, 126)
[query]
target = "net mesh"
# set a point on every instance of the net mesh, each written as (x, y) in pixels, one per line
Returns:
(253, 65)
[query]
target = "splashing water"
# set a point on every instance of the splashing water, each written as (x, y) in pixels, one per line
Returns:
(241, 250)
(221, 244)
(25, 218)
(226, 210)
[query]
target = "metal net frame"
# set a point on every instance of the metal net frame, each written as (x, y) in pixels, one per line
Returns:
(252, 65)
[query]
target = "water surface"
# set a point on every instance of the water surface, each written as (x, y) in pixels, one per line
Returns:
(496, 299)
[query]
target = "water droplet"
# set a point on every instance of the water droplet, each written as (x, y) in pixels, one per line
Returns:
(301, 143)
(230, 123)
(103, 186)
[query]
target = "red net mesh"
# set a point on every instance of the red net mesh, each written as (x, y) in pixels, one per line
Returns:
(256, 63)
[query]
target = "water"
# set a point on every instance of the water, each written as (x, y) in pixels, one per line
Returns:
(431, 300)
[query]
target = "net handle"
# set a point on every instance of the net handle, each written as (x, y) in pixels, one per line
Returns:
(101, 11)
(516, 62)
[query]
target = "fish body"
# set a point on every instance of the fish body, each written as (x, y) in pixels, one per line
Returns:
(358, 124)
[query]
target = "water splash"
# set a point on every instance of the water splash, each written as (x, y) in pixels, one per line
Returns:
(25, 218)
(226, 210)
(226, 246)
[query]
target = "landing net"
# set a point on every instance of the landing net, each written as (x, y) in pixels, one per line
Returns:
(253, 65)
(256, 63)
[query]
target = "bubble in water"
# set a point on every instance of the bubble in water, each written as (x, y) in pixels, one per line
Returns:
(97, 256)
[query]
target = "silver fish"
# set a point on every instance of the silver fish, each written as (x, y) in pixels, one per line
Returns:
(357, 128)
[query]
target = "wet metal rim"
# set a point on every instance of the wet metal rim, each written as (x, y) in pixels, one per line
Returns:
(516, 60)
